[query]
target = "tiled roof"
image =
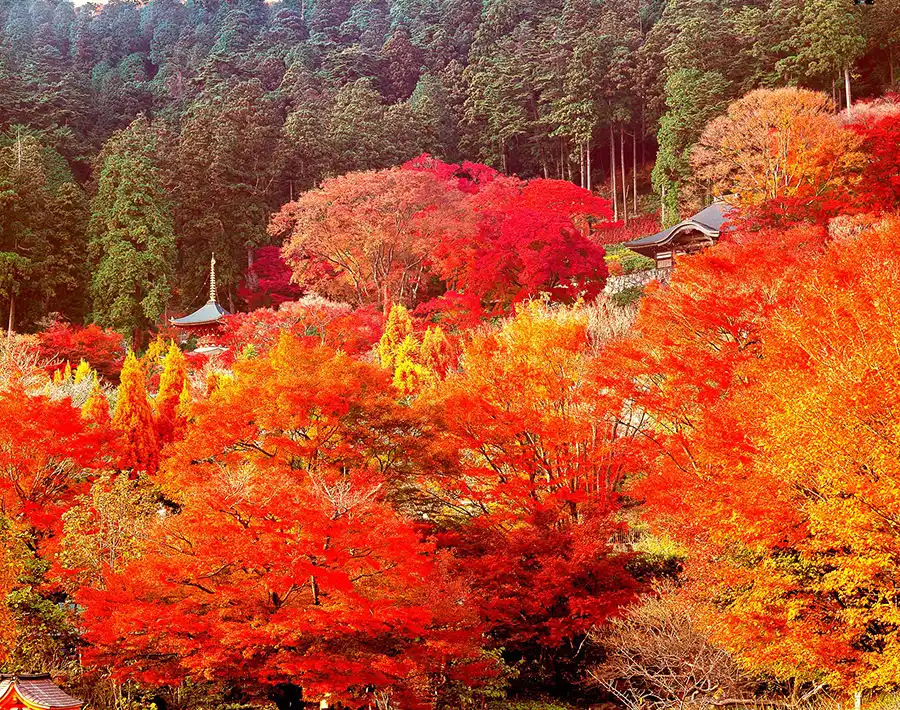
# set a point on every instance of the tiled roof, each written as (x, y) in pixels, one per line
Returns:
(212, 312)
(39, 690)
(706, 220)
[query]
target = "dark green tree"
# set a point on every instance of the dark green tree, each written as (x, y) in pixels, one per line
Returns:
(131, 231)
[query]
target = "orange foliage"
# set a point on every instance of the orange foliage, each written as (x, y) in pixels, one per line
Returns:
(288, 561)
(768, 374)
(776, 144)
(133, 419)
(536, 484)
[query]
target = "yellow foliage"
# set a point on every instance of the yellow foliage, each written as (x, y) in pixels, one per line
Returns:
(82, 371)
(436, 352)
(411, 378)
(96, 408)
(397, 329)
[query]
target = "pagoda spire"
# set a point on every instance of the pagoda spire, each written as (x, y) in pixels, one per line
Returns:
(213, 296)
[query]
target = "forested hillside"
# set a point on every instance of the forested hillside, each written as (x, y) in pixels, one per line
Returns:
(242, 105)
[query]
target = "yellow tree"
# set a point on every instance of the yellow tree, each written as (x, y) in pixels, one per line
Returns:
(172, 385)
(133, 419)
(396, 330)
(436, 351)
(96, 408)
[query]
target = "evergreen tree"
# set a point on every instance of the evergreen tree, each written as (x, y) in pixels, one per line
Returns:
(132, 239)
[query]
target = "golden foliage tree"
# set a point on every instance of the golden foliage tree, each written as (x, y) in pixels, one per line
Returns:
(133, 419)
(778, 144)
(172, 385)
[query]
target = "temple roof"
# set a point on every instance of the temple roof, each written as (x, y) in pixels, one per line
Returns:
(208, 314)
(38, 690)
(708, 220)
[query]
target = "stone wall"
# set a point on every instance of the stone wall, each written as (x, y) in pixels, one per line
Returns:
(615, 284)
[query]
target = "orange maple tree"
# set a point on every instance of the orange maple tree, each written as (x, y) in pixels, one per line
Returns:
(290, 561)
(530, 510)
(769, 456)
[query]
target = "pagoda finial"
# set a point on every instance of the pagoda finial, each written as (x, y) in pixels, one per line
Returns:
(212, 279)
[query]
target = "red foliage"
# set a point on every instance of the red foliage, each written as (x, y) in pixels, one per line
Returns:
(268, 281)
(47, 453)
(396, 235)
(619, 232)
(104, 350)
(317, 320)
(879, 187)
(526, 242)
(467, 177)
(287, 562)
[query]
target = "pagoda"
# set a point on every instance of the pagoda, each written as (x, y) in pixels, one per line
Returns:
(34, 692)
(208, 317)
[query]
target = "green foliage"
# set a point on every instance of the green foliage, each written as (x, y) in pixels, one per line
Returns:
(628, 296)
(42, 232)
(693, 97)
(132, 241)
(628, 261)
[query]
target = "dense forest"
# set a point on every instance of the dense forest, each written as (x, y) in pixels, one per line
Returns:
(454, 446)
(219, 112)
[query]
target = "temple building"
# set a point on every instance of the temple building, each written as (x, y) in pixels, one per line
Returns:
(34, 692)
(208, 316)
(693, 234)
(206, 320)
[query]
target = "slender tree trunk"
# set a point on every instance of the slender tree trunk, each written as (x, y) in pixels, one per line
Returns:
(12, 315)
(643, 136)
(634, 170)
(588, 164)
(847, 90)
(891, 62)
(662, 205)
(581, 164)
(857, 700)
(624, 181)
(834, 98)
(503, 156)
(562, 159)
(612, 172)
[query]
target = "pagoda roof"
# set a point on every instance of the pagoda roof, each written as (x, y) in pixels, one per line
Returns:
(709, 221)
(36, 691)
(208, 314)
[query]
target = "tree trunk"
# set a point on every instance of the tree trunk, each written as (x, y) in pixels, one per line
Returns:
(847, 89)
(643, 136)
(634, 170)
(891, 62)
(662, 206)
(834, 99)
(588, 151)
(12, 315)
(612, 172)
(581, 164)
(287, 696)
(857, 700)
(624, 182)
